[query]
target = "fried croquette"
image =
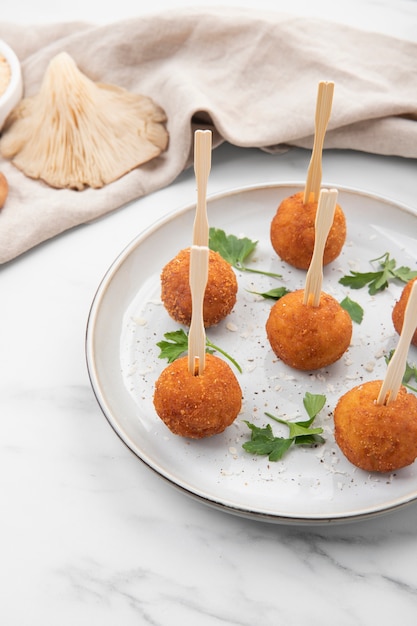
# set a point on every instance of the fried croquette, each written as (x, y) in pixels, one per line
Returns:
(376, 437)
(308, 337)
(398, 311)
(219, 297)
(292, 232)
(197, 406)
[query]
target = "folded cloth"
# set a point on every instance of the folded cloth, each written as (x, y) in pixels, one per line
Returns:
(251, 77)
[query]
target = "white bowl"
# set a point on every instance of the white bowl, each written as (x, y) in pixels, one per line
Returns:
(14, 90)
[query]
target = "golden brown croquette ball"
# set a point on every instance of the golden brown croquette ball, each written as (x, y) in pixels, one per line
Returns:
(197, 406)
(292, 232)
(219, 296)
(376, 437)
(398, 311)
(308, 337)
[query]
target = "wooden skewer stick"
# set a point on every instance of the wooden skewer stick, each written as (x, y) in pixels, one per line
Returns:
(202, 166)
(324, 220)
(199, 257)
(323, 110)
(396, 366)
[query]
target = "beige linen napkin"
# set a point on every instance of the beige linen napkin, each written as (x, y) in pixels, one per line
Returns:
(252, 77)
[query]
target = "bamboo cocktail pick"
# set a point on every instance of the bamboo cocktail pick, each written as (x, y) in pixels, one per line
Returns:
(199, 254)
(324, 219)
(202, 166)
(397, 365)
(199, 257)
(323, 110)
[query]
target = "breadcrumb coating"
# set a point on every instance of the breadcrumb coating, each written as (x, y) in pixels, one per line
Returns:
(219, 297)
(197, 406)
(292, 232)
(376, 438)
(398, 311)
(307, 337)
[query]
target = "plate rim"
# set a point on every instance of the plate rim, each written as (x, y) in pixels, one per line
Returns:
(279, 518)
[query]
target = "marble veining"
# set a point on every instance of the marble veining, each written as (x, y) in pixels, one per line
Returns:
(89, 535)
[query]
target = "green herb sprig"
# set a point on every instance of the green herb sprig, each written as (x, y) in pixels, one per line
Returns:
(263, 442)
(235, 250)
(175, 344)
(353, 308)
(380, 279)
(273, 294)
(410, 372)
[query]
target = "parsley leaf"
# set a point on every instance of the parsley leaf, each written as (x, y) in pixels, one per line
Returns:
(313, 404)
(263, 442)
(235, 250)
(274, 294)
(409, 373)
(379, 280)
(176, 343)
(353, 308)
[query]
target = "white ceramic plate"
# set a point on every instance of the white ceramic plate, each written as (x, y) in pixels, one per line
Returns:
(127, 319)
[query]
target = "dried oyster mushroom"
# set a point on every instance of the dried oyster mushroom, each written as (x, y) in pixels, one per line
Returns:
(4, 189)
(76, 133)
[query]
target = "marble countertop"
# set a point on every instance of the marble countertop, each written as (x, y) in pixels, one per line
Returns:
(89, 534)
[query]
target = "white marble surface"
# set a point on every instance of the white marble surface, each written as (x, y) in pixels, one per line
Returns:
(88, 534)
